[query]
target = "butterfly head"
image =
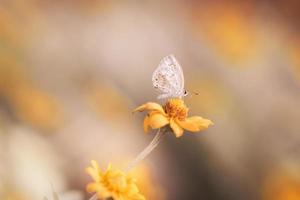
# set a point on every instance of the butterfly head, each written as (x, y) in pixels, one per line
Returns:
(185, 93)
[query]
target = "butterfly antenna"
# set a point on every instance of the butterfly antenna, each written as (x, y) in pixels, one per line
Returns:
(194, 93)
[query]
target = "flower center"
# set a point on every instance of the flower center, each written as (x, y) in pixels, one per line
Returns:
(116, 182)
(175, 108)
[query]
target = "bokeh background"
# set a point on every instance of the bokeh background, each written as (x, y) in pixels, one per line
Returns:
(71, 71)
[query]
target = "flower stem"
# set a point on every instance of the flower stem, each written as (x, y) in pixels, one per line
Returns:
(155, 141)
(94, 197)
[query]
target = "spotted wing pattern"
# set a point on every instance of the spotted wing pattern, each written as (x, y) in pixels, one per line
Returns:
(168, 78)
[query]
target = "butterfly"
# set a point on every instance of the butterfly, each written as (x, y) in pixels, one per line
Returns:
(168, 78)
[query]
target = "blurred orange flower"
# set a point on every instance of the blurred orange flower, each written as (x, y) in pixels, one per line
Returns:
(174, 113)
(112, 183)
(36, 107)
(229, 28)
(282, 187)
(293, 54)
(8, 195)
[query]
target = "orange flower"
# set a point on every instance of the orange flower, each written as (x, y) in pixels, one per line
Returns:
(174, 113)
(112, 183)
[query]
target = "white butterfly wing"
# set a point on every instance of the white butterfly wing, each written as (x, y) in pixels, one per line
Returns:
(168, 78)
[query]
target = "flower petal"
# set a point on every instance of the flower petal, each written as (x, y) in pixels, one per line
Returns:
(93, 172)
(195, 123)
(157, 120)
(178, 131)
(150, 106)
(137, 197)
(95, 165)
(146, 124)
(93, 187)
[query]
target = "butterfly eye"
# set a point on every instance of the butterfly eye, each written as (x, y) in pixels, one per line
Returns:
(185, 93)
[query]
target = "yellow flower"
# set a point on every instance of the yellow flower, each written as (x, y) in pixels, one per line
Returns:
(148, 184)
(112, 183)
(174, 113)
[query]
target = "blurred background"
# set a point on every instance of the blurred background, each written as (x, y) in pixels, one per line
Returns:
(71, 72)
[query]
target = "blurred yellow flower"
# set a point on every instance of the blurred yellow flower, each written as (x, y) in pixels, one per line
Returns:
(281, 187)
(107, 100)
(36, 107)
(229, 28)
(174, 113)
(148, 184)
(112, 183)
(8, 195)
